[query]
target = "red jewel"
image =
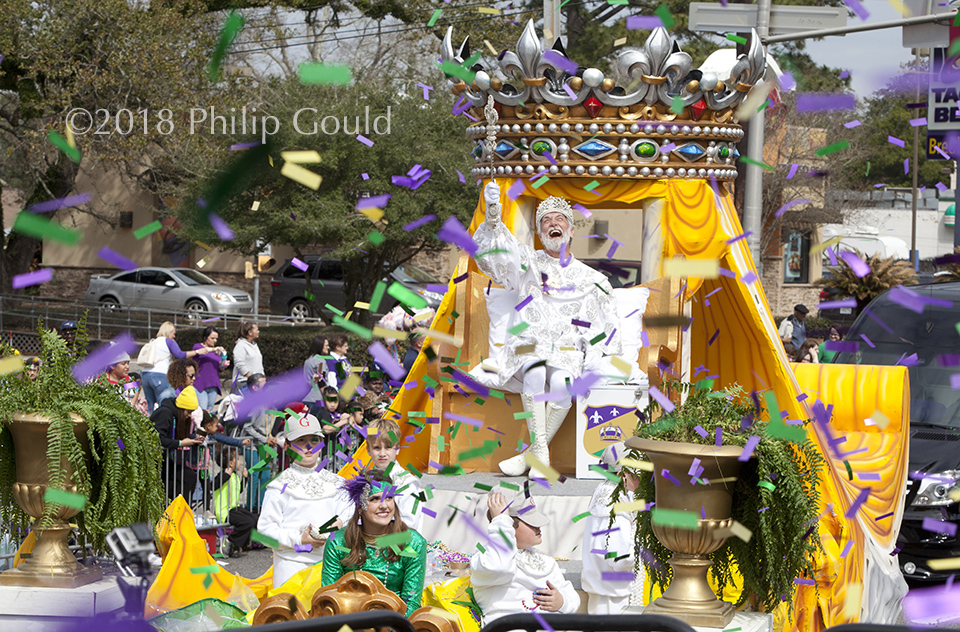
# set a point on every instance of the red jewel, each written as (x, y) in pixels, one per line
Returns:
(593, 105)
(697, 109)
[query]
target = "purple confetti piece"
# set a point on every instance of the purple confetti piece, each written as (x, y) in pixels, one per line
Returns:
(96, 362)
(454, 233)
(718, 440)
(819, 102)
(279, 390)
(615, 576)
(302, 548)
(661, 399)
(793, 171)
(853, 123)
(693, 467)
(869, 476)
(939, 526)
(516, 189)
(644, 339)
(643, 22)
(569, 91)
(581, 385)
(426, 219)
(942, 188)
(460, 175)
(847, 302)
(300, 265)
(543, 622)
(523, 303)
(918, 122)
(240, 146)
(567, 65)
(936, 605)
(476, 423)
(847, 548)
(955, 381)
(749, 277)
(786, 80)
(365, 176)
(386, 360)
(579, 323)
(376, 201)
(284, 488)
(713, 337)
(59, 203)
(665, 473)
(223, 231)
(668, 147)
(363, 139)
(700, 431)
(789, 205)
(842, 346)
(855, 507)
(856, 264)
(893, 140)
(832, 255)
(32, 278)
(734, 240)
(595, 533)
(801, 581)
(748, 448)
(858, 8)
(120, 444)
(428, 512)
(906, 166)
(730, 274)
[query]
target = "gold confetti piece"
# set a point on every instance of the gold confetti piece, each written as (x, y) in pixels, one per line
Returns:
(71, 139)
(851, 601)
(305, 177)
(424, 316)
(522, 349)
(350, 387)
(636, 464)
(488, 10)
(568, 348)
(621, 365)
(823, 246)
(373, 214)
(256, 205)
(493, 51)
(620, 42)
(203, 245)
(954, 495)
(545, 470)
(547, 34)
(489, 368)
(944, 564)
(899, 6)
(203, 262)
(740, 531)
(702, 268)
(753, 101)
(270, 160)
(345, 628)
(383, 332)
(713, 481)
(636, 505)
(11, 364)
(301, 157)
(881, 420)
(439, 335)
(361, 305)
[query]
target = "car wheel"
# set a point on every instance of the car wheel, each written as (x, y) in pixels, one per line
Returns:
(109, 303)
(196, 309)
(300, 311)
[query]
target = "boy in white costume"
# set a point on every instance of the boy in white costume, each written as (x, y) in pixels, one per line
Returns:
(383, 444)
(300, 501)
(521, 578)
(605, 596)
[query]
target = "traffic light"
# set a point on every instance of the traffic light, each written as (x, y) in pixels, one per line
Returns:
(248, 272)
(265, 262)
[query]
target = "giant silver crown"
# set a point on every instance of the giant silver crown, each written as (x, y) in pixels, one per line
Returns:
(665, 118)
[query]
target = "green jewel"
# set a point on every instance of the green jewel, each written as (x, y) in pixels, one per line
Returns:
(477, 151)
(646, 150)
(540, 147)
(724, 152)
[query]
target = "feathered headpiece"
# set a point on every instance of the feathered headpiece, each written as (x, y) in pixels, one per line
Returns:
(361, 486)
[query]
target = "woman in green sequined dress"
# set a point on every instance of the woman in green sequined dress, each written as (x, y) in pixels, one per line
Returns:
(402, 566)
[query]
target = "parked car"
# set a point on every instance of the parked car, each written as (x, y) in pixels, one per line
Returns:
(289, 286)
(170, 289)
(896, 333)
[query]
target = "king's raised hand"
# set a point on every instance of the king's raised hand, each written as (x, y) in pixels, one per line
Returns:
(491, 193)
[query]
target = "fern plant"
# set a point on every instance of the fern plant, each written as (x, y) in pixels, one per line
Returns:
(783, 519)
(122, 483)
(950, 271)
(885, 273)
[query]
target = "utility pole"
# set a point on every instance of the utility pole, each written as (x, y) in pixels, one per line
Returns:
(552, 25)
(915, 169)
(753, 191)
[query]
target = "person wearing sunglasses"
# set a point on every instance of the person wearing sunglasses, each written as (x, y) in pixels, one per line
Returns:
(181, 374)
(302, 505)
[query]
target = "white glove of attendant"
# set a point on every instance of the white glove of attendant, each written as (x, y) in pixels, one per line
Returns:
(491, 193)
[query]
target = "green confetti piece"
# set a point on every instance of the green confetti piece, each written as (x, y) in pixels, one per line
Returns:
(480, 548)
(407, 297)
(849, 470)
(207, 581)
(441, 443)
(593, 185)
(705, 385)
(523, 415)
(376, 237)
(492, 251)
(456, 70)
(456, 314)
(34, 225)
(201, 570)
(676, 106)
(736, 38)
(482, 487)
(957, 326)
(500, 395)
(61, 143)
(762, 165)
(377, 296)
(489, 446)
(342, 549)
(391, 539)
(675, 518)
(67, 499)
(417, 413)
(597, 338)
(601, 289)
(149, 229)
(270, 451)
(435, 17)
(539, 182)
(315, 73)
(767, 485)
(510, 486)
(308, 295)
(665, 16)
(867, 172)
(231, 28)
(618, 2)
(954, 45)
(472, 59)
(610, 555)
(604, 472)
(265, 540)
(351, 326)
(410, 468)
(835, 147)
(518, 329)
(334, 309)
(580, 517)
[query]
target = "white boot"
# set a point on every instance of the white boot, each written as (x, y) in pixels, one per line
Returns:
(536, 423)
(552, 422)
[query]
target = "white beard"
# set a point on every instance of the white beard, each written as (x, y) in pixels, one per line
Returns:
(553, 244)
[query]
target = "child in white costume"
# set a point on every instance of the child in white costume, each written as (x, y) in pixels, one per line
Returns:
(300, 501)
(383, 444)
(521, 578)
(605, 596)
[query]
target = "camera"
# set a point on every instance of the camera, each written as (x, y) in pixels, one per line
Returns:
(132, 545)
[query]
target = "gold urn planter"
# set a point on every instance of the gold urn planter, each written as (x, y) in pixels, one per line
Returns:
(51, 563)
(689, 596)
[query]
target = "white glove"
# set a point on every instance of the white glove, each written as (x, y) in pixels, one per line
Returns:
(491, 193)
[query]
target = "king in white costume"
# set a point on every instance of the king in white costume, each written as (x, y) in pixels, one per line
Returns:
(298, 502)
(569, 309)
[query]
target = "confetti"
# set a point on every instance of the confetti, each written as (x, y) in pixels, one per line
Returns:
(643, 23)
(64, 498)
(661, 399)
(751, 161)
(835, 147)
(675, 518)
(789, 205)
(231, 28)
(222, 229)
(42, 228)
(748, 448)
(819, 102)
(893, 140)
(859, 268)
(363, 139)
(299, 157)
(939, 526)
(96, 362)
(59, 203)
(315, 73)
(454, 233)
(301, 175)
(60, 143)
(862, 498)
(858, 8)
(852, 124)
(736, 38)
(375, 201)
(665, 16)
(149, 229)
(116, 259)
(11, 364)
(28, 279)
(701, 268)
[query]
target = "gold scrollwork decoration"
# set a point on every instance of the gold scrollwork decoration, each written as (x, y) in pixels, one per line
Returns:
(542, 113)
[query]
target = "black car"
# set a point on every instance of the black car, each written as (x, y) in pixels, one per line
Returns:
(897, 333)
(289, 286)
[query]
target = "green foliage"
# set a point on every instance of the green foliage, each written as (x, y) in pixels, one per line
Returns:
(780, 549)
(884, 274)
(122, 484)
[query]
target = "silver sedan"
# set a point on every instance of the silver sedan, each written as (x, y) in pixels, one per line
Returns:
(170, 289)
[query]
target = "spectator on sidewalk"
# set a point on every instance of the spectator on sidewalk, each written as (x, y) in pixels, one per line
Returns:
(247, 359)
(209, 366)
(162, 351)
(338, 367)
(792, 329)
(313, 376)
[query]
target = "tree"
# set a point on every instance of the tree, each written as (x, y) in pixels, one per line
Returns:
(420, 132)
(101, 57)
